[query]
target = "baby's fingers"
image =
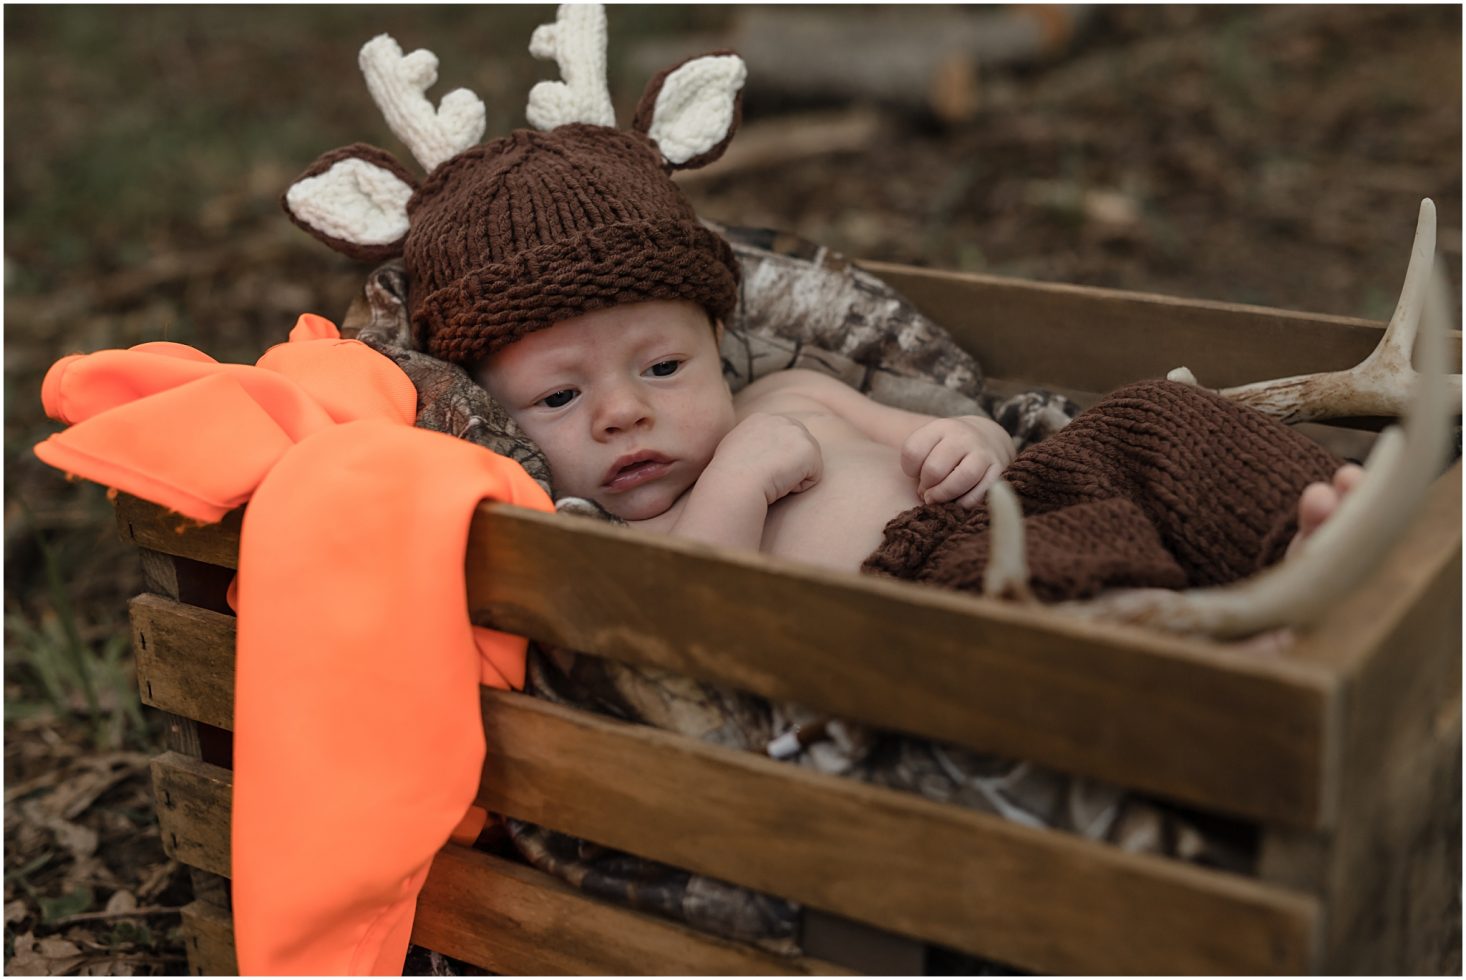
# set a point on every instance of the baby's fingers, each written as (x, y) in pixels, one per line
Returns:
(941, 464)
(918, 447)
(963, 478)
(973, 497)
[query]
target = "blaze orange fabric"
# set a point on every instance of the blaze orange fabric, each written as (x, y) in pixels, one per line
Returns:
(358, 740)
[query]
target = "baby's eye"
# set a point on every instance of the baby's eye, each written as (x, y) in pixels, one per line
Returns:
(559, 399)
(665, 369)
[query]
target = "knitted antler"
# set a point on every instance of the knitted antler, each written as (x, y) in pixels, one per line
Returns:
(355, 199)
(1337, 557)
(577, 43)
(398, 84)
(689, 112)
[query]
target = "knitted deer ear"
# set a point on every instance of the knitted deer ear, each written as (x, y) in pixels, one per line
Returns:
(690, 111)
(355, 200)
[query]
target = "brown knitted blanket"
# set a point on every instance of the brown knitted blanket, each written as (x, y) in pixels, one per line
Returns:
(1158, 485)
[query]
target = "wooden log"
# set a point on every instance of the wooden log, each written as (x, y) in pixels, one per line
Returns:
(926, 59)
(789, 139)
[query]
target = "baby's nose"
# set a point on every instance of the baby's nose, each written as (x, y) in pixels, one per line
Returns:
(622, 410)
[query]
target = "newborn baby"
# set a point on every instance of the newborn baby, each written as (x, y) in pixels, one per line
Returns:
(630, 406)
(632, 411)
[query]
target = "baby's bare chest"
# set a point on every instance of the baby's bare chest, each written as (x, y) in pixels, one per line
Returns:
(837, 522)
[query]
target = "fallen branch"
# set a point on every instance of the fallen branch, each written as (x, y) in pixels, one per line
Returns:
(145, 912)
(784, 140)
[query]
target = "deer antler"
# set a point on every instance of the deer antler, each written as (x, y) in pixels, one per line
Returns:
(1377, 386)
(1337, 557)
(577, 43)
(398, 84)
(1006, 574)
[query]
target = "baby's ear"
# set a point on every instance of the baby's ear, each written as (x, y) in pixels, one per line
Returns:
(690, 111)
(355, 200)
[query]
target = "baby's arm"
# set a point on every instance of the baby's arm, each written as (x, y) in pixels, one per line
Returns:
(765, 457)
(950, 458)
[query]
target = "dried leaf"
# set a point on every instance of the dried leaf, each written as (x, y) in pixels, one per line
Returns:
(43, 957)
(121, 901)
(97, 775)
(16, 911)
(80, 841)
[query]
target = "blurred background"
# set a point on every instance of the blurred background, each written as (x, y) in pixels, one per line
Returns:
(1272, 155)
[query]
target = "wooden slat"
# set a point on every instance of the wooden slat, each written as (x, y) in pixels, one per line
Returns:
(531, 746)
(617, 784)
(1395, 640)
(515, 920)
(1037, 899)
(1357, 632)
(149, 526)
(1388, 872)
(491, 912)
(1391, 870)
(185, 659)
(193, 811)
(1125, 705)
(209, 940)
(1022, 330)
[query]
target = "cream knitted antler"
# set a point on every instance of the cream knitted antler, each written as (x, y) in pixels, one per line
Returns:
(398, 84)
(577, 43)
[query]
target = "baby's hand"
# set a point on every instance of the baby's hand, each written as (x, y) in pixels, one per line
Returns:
(956, 459)
(774, 451)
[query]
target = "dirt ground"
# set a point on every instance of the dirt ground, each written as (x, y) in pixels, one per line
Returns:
(1271, 155)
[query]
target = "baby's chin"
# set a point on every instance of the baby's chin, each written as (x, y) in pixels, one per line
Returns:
(641, 504)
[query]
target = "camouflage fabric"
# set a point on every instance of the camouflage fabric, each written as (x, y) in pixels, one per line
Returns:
(803, 306)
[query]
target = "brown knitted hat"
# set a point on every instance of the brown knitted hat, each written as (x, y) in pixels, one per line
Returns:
(536, 227)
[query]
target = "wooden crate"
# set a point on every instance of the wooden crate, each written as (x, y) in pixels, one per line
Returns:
(1344, 755)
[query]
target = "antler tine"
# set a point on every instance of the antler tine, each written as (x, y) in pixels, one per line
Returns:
(1348, 546)
(1380, 384)
(1006, 574)
(398, 84)
(577, 43)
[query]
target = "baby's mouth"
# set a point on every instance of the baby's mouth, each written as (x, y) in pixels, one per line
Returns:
(634, 470)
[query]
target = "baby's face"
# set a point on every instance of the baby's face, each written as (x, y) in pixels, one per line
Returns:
(628, 403)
